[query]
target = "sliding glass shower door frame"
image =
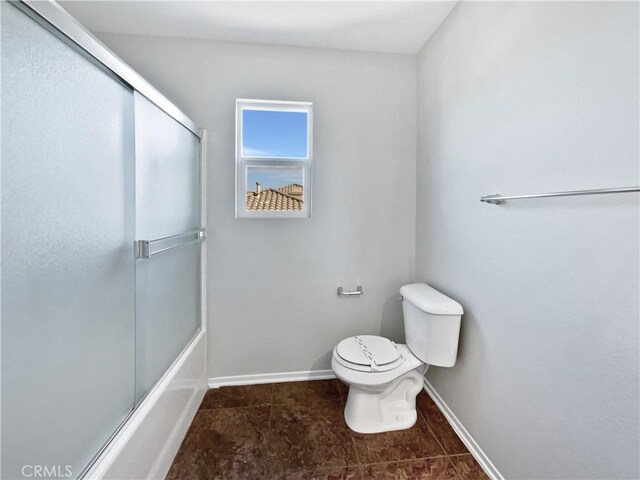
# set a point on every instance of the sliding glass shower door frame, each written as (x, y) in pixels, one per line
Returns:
(55, 19)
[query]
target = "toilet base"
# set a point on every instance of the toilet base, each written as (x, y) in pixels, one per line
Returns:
(393, 408)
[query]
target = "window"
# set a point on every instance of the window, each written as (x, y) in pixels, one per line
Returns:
(273, 159)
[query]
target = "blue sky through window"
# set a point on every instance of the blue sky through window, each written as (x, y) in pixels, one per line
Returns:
(268, 133)
(273, 177)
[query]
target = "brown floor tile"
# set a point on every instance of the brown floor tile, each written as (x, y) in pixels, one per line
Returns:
(340, 473)
(412, 443)
(296, 431)
(440, 426)
(468, 468)
(305, 393)
(241, 396)
(307, 437)
(226, 444)
(438, 468)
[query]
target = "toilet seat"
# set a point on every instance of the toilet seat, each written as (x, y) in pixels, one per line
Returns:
(368, 353)
(364, 378)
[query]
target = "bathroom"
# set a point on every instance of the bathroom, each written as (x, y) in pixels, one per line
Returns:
(337, 303)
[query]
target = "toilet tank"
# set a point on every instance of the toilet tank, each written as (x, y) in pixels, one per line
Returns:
(431, 324)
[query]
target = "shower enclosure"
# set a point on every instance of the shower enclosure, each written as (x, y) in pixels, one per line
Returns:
(102, 232)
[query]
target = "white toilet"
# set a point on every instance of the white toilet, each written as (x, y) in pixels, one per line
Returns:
(384, 378)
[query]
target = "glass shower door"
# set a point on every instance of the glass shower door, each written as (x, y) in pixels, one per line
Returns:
(168, 274)
(67, 286)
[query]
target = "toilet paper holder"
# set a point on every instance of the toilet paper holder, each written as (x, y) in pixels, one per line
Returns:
(357, 292)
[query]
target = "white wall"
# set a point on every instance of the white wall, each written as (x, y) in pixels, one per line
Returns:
(272, 283)
(520, 98)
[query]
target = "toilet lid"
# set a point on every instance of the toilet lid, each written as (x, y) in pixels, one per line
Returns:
(369, 350)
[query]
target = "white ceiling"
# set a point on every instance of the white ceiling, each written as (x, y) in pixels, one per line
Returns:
(387, 26)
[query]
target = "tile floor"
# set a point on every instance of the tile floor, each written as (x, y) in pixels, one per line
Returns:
(296, 431)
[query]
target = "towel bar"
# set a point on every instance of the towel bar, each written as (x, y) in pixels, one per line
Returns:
(497, 199)
(143, 247)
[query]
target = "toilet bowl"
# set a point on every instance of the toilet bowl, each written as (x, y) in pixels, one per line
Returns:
(385, 378)
(384, 399)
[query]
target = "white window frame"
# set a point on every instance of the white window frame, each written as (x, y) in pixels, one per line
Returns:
(244, 161)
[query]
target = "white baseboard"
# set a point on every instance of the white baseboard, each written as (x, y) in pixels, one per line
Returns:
(216, 382)
(147, 443)
(473, 447)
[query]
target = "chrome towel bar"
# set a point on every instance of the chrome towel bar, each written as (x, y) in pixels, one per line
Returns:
(358, 291)
(497, 199)
(143, 247)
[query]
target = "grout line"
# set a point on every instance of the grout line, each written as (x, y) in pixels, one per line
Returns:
(311, 402)
(458, 474)
(404, 460)
(353, 444)
(433, 433)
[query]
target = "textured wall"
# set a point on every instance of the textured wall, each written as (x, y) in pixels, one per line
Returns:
(520, 98)
(272, 283)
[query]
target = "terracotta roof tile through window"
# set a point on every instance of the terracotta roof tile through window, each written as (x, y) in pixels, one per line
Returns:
(285, 198)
